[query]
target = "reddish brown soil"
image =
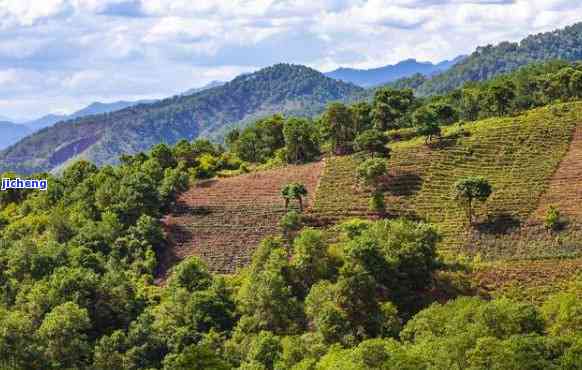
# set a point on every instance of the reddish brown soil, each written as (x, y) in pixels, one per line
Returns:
(534, 273)
(565, 188)
(223, 220)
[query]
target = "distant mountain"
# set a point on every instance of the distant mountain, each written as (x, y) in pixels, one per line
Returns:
(99, 108)
(209, 85)
(102, 138)
(383, 75)
(11, 133)
(45, 121)
(94, 108)
(5, 119)
(489, 61)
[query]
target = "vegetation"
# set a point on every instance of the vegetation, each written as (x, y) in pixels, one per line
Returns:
(490, 61)
(123, 266)
(294, 191)
(518, 155)
(470, 189)
(103, 138)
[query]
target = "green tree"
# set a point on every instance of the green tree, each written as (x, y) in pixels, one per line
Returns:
(301, 140)
(372, 141)
(390, 106)
(470, 104)
(195, 357)
(362, 116)
(563, 313)
(426, 120)
(370, 173)
(63, 333)
(576, 84)
(294, 191)
(164, 155)
(191, 274)
(340, 127)
(469, 189)
(500, 96)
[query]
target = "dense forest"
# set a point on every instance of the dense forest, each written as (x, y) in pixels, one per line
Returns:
(78, 262)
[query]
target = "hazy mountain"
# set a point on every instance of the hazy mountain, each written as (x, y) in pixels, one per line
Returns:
(11, 133)
(45, 121)
(389, 73)
(209, 85)
(93, 108)
(102, 138)
(99, 108)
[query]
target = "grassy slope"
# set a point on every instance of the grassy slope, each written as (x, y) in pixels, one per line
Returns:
(518, 155)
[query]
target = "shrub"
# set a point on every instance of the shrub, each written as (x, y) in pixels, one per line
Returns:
(553, 219)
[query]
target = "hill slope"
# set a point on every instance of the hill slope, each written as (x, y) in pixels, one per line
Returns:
(526, 158)
(11, 132)
(519, 155)
(382, 75)
(489, 61)
(223, 220)
(91, 109)
(103, 138)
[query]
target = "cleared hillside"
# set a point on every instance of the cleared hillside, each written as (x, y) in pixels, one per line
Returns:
(519, 155)
(222, 221)
(532, 160)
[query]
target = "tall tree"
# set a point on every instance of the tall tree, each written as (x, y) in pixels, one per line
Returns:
(390, 106)
(469, 189)
(340, 127)
(301, 140)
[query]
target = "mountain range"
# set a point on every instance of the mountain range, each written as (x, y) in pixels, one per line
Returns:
(102, 138)
(11, 133)
(283, 88)
(389, 73)
(209, 85)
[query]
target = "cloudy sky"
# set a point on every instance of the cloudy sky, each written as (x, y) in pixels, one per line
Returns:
(59, 55)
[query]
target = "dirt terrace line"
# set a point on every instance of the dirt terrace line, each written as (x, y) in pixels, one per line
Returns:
(223, 220)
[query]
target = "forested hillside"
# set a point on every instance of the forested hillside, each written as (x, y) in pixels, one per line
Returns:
(464, 255)
(489, 61)
(289, 89)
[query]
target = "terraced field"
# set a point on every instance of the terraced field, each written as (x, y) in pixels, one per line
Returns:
(223, 220)
(565, 188)
(532, 160)
(519, 156)
(528, 279)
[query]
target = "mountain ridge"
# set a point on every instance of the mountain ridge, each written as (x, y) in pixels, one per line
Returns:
(11, 132)
(102, 138)
(382, 75)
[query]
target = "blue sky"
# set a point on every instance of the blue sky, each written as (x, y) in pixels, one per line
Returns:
(60, 55)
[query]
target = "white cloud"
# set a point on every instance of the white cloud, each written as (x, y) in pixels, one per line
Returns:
(28, 12)
(77, 51)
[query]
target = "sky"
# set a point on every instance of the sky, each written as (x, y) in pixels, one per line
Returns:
(57, 56)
